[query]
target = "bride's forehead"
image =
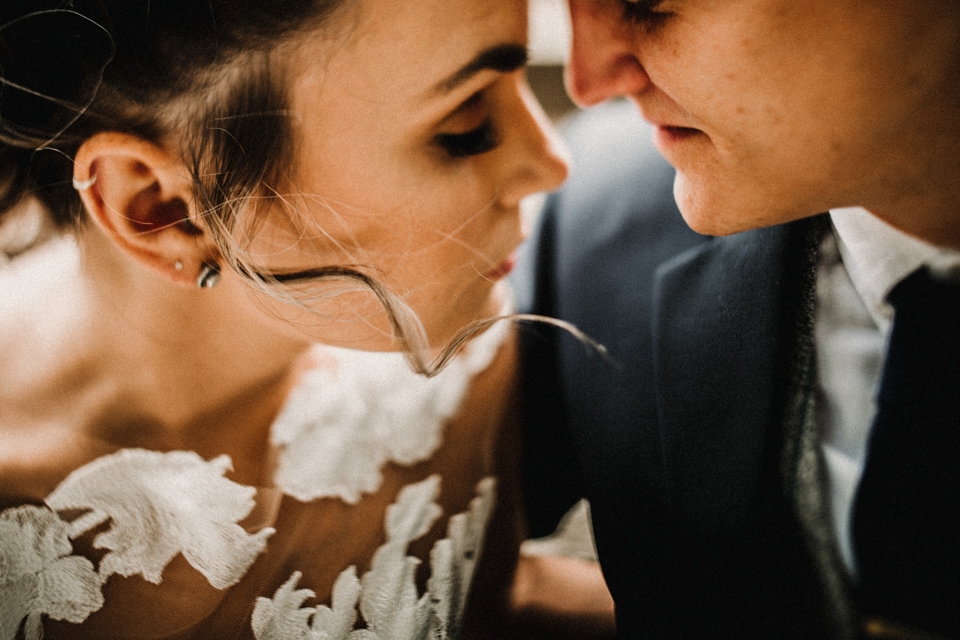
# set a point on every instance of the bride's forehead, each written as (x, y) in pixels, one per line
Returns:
(449, 21)
(400, 48)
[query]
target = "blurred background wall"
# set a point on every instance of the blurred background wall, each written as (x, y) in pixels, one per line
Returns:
(549, 47)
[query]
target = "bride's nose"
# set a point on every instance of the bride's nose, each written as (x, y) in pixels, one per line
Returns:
(538, 158)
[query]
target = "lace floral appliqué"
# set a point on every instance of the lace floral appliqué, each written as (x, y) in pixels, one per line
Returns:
(157, 505)
(38, 574)
(162, 504)
(386, 596)
(342, 423)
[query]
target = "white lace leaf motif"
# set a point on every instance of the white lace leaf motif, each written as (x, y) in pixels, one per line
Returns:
(283, 619)
(38, 574)
(161, 504)
(387, 593)
(338, 620)
(343, 423)
(453, 560)
(389, 602)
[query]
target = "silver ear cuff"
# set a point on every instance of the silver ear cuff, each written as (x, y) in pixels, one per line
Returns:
(83, 185)
(209, 275)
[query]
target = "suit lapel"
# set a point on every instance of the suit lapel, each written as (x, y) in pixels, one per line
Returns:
(722, 331)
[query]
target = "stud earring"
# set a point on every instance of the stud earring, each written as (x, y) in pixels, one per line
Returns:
(209, 275)
(83, 185)
(178, 265)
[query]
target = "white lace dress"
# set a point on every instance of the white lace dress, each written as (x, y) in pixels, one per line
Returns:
(138, 515)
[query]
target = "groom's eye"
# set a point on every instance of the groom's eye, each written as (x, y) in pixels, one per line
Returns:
(644, 12)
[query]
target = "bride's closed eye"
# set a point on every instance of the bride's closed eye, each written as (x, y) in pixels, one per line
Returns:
(469, 131)
(469, 143)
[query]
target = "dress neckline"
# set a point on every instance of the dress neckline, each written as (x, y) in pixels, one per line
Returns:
(359, 410)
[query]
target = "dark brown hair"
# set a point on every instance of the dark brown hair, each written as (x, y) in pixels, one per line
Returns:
(145, 67)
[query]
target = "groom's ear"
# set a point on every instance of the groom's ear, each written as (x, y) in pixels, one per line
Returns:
(141, 196)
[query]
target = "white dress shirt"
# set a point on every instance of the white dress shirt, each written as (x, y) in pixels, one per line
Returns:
(859, 264)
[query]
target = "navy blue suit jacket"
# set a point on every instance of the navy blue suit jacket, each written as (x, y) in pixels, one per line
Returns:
(677, 436)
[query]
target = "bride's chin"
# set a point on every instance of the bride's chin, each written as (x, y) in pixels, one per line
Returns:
(358, 321)
(498, 302)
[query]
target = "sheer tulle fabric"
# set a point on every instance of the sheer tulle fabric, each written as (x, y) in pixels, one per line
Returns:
(150, 544)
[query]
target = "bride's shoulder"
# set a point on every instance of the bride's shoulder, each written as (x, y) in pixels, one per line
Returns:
(36, 369)
(37, 291)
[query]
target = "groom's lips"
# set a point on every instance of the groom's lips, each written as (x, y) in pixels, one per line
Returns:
(668, 138)
(677, 133)
(668, 130)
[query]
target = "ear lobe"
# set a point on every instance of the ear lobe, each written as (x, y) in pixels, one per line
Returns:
(141, 197)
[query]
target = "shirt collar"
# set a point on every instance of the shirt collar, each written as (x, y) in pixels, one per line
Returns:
(877, 256)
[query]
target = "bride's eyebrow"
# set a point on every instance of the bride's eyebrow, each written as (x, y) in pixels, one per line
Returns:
(502, 57)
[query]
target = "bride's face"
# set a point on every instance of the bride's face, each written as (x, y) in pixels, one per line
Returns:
(416, 140)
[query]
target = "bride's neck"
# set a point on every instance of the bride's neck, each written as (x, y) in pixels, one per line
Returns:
(179, 356)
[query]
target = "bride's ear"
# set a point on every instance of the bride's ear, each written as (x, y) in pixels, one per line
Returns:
(141, 196)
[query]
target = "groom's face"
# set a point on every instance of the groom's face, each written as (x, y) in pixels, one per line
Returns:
(772, 110)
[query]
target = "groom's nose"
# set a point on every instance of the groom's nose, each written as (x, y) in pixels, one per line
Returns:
(603, 63)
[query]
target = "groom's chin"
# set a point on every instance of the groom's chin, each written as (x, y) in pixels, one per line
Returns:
(703, 211)
(719, 209)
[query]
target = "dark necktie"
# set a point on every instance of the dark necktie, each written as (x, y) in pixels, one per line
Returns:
(906, 518)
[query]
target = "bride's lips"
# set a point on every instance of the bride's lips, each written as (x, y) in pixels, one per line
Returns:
(503, 269)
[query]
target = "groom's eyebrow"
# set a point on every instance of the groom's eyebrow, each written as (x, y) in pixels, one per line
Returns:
(502, 57)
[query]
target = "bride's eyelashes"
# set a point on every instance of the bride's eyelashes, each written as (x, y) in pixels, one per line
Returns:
(470, 129)
(480, 139)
